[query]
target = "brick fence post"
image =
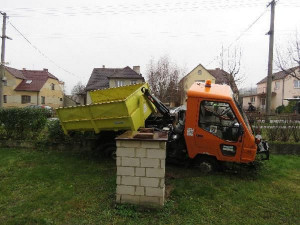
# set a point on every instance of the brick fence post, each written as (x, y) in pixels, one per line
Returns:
(141, 170)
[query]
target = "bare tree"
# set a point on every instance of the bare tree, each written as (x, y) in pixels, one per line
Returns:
(288, 60)
(78, 89)
(230, 63)
(163, 77)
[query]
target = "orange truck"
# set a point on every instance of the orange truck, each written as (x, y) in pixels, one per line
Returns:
(212, 129)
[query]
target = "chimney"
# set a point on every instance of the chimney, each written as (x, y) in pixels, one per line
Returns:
(217, 68)
(46, 70)
(24, 68)
(103, 66)
(137, 69)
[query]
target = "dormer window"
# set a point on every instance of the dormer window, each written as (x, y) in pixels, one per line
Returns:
(28, 81)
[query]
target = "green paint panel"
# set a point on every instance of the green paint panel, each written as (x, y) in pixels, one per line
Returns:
(123, 108)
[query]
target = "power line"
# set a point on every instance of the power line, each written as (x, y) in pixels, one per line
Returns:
(42, 53)
(242, 34)
(133, 8)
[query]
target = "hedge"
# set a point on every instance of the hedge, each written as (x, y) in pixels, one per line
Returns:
(22, 123)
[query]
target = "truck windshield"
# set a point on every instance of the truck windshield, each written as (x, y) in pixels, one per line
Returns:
(243, 115)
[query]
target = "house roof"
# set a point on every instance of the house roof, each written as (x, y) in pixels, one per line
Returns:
(16, 73)
(222, 77)
(279, 75)
(219, 74)
(100, 77)
(127, 72)
(34, 80)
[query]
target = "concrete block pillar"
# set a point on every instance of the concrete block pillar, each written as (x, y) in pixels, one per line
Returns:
(141, 169)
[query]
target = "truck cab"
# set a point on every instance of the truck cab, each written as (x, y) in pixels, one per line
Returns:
(216, 127)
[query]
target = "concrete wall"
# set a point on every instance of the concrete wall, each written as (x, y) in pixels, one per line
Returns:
(141, 172)
(193, 77)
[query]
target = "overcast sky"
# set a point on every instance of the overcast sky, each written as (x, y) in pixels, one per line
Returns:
(76, 36)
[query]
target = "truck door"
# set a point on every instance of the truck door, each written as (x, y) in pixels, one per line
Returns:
(217, 131)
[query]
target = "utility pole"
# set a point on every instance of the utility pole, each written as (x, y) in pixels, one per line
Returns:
(2, 74)
(270, 63)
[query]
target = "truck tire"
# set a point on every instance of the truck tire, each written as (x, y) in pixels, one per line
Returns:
(206, 164)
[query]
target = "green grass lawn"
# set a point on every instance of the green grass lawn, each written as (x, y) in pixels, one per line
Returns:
(39, 187)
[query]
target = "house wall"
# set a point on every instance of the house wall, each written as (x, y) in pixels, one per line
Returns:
(247, 99)
(289, 90)
(13, 98)
(191, 78)
(53, 98)
(285, 90)
(88, 98)
(112, 82)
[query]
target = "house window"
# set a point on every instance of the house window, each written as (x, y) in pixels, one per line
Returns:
(201, 81)
(133, 82)
(277, 85)
(199, 72)
(119, 83)
(26, 99)
(43, 100)
(252, 99)
(60, 99)
(263, 101)
(264, 89)
(4, 98)
(296, 83)
(52, 86)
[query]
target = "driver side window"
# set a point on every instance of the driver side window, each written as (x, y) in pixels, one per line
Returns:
(218, 119)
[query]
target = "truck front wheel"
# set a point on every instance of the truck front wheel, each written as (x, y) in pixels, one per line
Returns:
(206, 164)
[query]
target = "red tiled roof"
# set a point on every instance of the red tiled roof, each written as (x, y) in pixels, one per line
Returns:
(16, 73)
(34, 80)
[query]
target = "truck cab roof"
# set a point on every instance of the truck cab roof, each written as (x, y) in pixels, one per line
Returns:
(215, 91)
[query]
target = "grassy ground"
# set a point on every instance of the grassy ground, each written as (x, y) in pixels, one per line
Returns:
(65, 188)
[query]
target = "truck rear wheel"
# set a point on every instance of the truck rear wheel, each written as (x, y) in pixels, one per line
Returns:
(110, 151)
(206, 164)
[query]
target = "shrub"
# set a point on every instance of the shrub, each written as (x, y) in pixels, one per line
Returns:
(55, 134)
(290, 108)
(280, 109)
(55, 131)
(22, 123)
(272, 133)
